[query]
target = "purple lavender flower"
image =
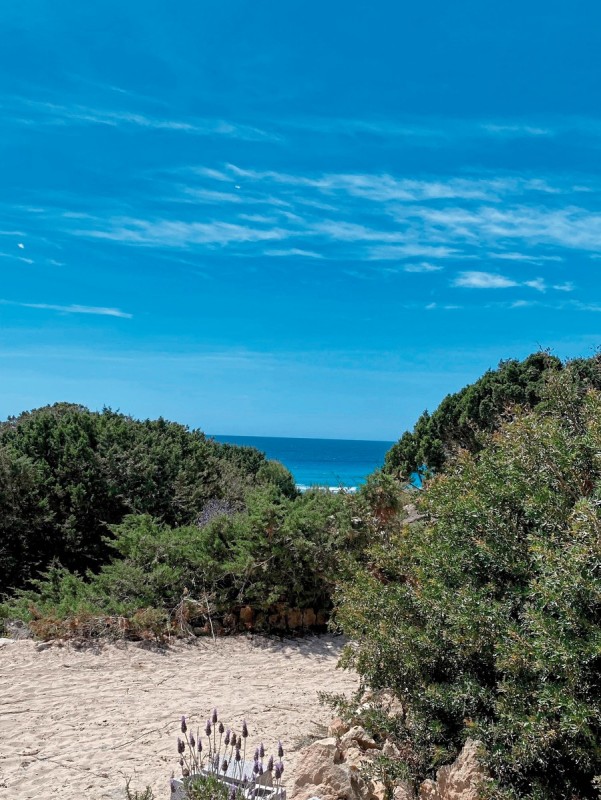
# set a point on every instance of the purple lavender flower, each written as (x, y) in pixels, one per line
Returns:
(244, 729)
(226, 741)
(184, 726)
(199, 745)
(221, 728)
(270, 764)
(277, 771)
(262, 750)
(192, 741)
(260, 769)
(181, 762)
(234, 741)
(281, 766)
(181, 746)
(256, 768)
(256, 756)
(238, 756)
(280, 750)
(208, 727)
(214, 717)
(224, 765)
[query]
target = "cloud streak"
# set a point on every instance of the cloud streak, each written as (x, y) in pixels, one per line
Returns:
(76, 114)
(100, 311)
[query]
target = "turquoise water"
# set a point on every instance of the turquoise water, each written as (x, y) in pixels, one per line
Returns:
(320, 462)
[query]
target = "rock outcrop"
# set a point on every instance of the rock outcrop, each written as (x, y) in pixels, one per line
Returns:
(333, 769)
(460, 780)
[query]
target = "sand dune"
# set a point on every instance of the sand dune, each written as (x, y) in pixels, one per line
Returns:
(78, 723)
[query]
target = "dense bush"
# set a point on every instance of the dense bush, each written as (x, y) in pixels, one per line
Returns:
(485, 619)
(67, 474)
(460, 418)
(276, 551)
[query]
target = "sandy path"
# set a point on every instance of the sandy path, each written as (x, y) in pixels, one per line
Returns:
(76, 724)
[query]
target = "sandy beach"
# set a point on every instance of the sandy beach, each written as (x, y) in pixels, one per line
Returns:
(78, 723)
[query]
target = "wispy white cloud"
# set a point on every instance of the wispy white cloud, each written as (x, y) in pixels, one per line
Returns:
(414, 250)
(423, 266)
(382, 187)
(15, 257)
(492, 280)
(531, 258)
(483, 280)
(293, 251)
(516, 130)
(60, 114)
(72, 309)
(432, 131)
(442, 307)
(536, 283)
(175, 233)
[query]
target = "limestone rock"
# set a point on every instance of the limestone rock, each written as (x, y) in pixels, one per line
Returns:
(428, 790)
(377, 791)
(457, 781)
(354, 757)
(413, 515)
(403, 791)
(338, 727)
(391, 750)
(390, 703)
(360, 736)
(320, 773)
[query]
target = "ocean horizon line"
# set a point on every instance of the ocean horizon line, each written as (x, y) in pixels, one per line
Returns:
(298, 438)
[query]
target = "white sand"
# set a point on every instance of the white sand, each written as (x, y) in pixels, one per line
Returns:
(76, 724)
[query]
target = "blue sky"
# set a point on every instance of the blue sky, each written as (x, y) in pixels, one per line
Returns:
(293, 218)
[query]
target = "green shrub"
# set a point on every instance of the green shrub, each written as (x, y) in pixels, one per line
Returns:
(485, 620)
(460, 418)
(278, 551)
(68, 474)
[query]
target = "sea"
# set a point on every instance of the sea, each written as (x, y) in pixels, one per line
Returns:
(333, 463)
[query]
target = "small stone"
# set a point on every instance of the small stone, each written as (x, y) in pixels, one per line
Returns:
(354, 757)
(391, 750)
(377, 791)
(360, 736)
(41, 646)
(338, 727)
(391, 704)
(403, 791)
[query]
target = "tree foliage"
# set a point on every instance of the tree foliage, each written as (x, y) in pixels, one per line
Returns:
(480, 407)
(68, 474)
(276, 552)
(485, 619)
